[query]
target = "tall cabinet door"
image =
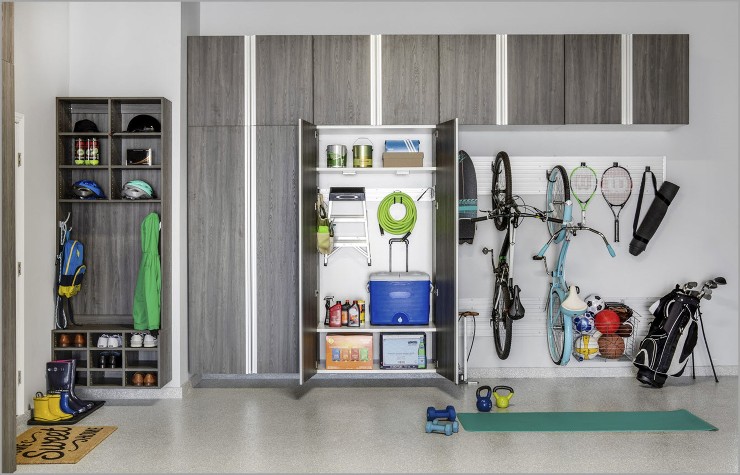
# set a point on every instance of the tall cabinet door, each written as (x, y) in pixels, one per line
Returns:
(467, 78)
(535, 79)
(445, 249)
(410, 89)
(593, 79)
(308, 261)
(660, 84)
(277, 249)
(341, 80)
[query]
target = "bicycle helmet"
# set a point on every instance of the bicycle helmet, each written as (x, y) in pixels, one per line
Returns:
(88, 190)
(137, 190)
(144, 123)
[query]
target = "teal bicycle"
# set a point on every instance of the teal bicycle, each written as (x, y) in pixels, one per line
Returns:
(563, 303)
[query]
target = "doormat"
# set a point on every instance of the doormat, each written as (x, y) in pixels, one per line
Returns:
(646, 421)
(58, 444)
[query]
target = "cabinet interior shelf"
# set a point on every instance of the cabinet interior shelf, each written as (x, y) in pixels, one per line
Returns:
(377, 170)
(73, 200)
(431, 368)
(137, 134)
(83, 134)
(136, 167)
(367, 328)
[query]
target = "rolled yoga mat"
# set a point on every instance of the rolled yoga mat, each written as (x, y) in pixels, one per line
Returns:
(646, 421)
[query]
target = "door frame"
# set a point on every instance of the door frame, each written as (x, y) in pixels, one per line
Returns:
(20, 258)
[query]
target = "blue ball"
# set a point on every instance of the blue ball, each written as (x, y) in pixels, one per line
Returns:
(584, 323)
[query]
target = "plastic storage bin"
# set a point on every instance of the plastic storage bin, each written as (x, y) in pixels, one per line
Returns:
(399, 298)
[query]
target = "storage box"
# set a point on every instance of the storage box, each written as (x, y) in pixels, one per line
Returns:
(403, 159)
(399, 298)
(139, 156)
(404, 145)
(403, 351)
(349, 351)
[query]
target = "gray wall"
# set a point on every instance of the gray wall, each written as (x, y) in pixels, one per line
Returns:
(701, 156)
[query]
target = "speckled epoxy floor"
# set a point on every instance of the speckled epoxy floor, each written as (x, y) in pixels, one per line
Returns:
(324, 428)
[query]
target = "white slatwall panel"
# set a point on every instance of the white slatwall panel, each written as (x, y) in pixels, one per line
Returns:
(528, 173)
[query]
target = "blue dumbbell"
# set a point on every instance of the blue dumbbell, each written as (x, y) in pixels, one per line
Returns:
(442, 427)
(448, 413)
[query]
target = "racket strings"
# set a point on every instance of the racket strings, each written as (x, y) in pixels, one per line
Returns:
(583, 183)
(616, 186)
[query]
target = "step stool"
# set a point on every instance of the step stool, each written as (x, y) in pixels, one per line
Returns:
(360, 243)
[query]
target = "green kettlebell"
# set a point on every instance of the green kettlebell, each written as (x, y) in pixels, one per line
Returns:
(503, 401)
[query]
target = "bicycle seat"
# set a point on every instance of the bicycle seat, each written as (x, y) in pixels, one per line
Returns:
(574, 303)
(469, 314)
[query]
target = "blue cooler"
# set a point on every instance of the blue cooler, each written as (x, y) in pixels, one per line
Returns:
(399, 298)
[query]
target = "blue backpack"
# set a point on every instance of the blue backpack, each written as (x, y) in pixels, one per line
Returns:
(71, 272)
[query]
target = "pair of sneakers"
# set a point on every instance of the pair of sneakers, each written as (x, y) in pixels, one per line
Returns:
(143, 339)
(110, 341)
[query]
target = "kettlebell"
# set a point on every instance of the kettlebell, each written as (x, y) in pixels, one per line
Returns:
(503, 401)
(484, 402)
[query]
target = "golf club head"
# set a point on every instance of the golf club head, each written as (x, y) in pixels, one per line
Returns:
(708, 296)
(711, 284)
(708, 292)
(720, 280)
(690, 285)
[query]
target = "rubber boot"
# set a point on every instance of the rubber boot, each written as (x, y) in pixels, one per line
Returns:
(64, 403)
(41, 409)
(55, 408)
(71, 403)
(60, 375)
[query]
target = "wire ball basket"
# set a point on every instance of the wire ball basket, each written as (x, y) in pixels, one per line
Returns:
(586, 344)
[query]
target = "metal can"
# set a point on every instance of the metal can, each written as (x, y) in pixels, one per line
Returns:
(361, 304)
(336, 156)
(80, 151)
(93, 152)
(362, 155)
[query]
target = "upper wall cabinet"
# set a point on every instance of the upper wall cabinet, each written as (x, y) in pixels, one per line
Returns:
(593, 79)
(341, 80)
(467, 78)
(284, 77)
(535, 73)
(660, 84)
(216, 80)
(410, 76)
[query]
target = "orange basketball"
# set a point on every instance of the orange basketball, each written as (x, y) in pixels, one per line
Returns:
(611, 346)
(607, 321)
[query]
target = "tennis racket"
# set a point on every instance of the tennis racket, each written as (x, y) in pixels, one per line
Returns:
(583, 183)
(616, 188)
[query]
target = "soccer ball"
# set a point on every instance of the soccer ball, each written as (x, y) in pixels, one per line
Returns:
(586, 348)
(584, 323)
(595, 304)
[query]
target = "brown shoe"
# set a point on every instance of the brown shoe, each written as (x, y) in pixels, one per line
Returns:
(64, 340)
(137, 379)
(80, 340)
(150, 379)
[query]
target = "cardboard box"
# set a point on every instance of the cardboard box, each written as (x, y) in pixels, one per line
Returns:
(349, 351)
(403, 159)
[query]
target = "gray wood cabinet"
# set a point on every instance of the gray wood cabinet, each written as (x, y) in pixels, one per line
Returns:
(535, 79)
(341, 80)
(410, 76)
(660, 84)
(277, 250)
(216, 78)
(216, 250)
(593, 79)
(284, 79)
(467, 78)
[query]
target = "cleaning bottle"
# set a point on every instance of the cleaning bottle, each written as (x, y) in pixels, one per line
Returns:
(335, 315)
(354, 315)
(345, 313)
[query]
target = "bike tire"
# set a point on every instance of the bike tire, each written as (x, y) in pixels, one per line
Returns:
(559, 331)
(502, 323)
(501, 196)
(558, 192)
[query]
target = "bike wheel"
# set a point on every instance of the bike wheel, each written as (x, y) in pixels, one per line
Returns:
(559, 331)
(558, 192)
(501, 192)
(502, 323)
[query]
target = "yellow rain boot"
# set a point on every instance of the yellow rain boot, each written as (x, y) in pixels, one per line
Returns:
(41, 409)
(55, 408)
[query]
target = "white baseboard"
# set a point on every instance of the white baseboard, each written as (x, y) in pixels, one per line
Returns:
(590, 372)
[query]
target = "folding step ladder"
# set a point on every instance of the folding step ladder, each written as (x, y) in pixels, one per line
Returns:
(360, 243)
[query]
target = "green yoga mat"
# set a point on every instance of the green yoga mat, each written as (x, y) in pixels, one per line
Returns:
(649, 421)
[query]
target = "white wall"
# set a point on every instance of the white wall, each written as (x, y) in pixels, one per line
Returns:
(698, 240)
(41, 74)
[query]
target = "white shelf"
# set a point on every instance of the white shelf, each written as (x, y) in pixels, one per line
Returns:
(367, 328)
(378, 170)
(431, 368)
(376, 128)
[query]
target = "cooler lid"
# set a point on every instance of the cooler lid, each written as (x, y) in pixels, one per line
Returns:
(405, 276)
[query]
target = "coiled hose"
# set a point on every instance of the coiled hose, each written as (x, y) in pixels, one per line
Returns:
(388, 223)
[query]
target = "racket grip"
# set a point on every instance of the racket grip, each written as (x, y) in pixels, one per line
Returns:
(616, 230)
(611, 250)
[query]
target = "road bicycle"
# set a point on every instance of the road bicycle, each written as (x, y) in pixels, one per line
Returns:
(563, 305)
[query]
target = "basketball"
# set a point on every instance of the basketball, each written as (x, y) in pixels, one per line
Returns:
(607, 321)
(586, 348)
(625, 329)
(611, 346)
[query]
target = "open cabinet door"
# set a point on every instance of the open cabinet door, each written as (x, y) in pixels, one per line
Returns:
(445, 249)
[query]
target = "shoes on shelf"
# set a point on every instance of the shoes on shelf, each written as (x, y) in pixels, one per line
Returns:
(114, 360)
(103, 359)
(137, 379)
(115, 341)
(137, 340)
(63, 340)
(103, 341)
(150, 341)
(150, 379)
(79, 340)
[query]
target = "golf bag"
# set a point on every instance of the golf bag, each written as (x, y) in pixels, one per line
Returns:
(671, 339)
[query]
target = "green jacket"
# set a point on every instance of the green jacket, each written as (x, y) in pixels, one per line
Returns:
(147, 296)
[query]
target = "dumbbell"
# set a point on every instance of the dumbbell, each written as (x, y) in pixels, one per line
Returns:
(442, 427)
(448, 413)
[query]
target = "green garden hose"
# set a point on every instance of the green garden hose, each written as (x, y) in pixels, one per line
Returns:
(393, 226)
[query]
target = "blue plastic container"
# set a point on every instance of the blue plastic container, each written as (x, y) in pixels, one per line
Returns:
(399, 298)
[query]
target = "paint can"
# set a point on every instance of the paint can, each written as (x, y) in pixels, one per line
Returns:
(362, 155)
(336, 156)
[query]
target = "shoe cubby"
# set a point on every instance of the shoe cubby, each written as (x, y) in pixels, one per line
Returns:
(81, 378)
(130, 378)
(101, 358)
(141, 360)
(106, 377)
(79, 354)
